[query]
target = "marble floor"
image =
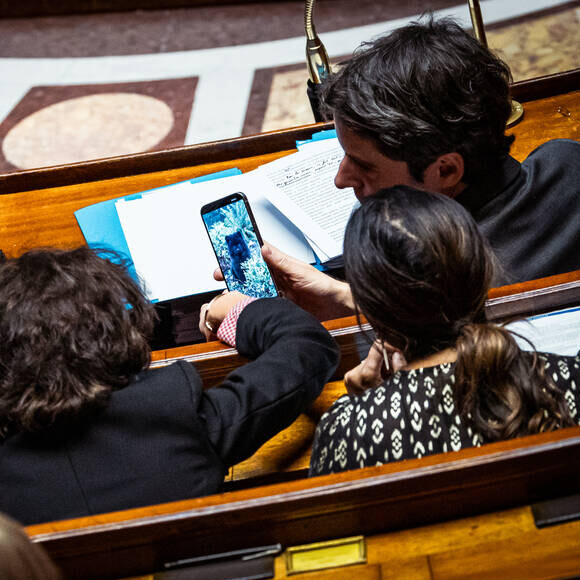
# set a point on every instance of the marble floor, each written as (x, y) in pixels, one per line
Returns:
(93, 86)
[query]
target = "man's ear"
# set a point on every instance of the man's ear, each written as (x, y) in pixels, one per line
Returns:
(445, 174)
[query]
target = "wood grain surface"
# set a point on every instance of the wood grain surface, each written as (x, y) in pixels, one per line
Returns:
(375, 500)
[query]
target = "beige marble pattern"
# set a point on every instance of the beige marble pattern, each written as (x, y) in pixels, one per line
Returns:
(540, 46)
(288, 105)
(89, 127)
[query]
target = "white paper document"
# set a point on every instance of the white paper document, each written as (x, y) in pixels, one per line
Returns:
(306, 194)
(294, 200)
(168, 242)
(557, 332)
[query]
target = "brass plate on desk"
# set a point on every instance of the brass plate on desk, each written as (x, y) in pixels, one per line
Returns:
(323, 555)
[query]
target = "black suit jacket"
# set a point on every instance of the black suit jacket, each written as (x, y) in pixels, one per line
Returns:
(530, 212)
(163, 438)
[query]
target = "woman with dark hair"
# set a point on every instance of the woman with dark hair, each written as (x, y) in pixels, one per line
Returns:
(419, 271)
(86, 428)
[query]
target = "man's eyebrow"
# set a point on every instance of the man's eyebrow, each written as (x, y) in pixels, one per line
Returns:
(359, 160)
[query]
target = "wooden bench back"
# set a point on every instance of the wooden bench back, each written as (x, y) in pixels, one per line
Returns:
(373, 500)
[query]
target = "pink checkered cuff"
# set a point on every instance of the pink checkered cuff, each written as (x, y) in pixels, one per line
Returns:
(227, 330)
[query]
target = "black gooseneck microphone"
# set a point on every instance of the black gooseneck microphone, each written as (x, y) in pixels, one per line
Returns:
(316, 60)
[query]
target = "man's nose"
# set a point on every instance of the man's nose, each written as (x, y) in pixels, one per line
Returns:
(344, 177)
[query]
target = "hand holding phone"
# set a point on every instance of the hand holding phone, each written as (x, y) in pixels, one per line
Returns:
(236, 241)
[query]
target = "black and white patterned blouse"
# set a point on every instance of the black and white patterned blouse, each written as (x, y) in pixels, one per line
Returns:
(410, 415)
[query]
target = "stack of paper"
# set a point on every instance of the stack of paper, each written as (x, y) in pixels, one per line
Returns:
(294, 200)
(306, 194)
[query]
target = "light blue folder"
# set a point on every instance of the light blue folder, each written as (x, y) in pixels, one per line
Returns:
(326, 134)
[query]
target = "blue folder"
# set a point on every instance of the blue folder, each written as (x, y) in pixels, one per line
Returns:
(326, 134)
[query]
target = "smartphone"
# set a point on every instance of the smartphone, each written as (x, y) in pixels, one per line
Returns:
(236, 242)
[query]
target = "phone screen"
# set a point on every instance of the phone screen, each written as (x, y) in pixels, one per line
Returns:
(236, 242)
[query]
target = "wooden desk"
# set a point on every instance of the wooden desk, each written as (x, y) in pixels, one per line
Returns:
(498, 545)
(377, 502)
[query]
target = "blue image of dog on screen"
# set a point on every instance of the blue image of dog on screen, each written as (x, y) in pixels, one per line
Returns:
(239, 253)
(238, 250)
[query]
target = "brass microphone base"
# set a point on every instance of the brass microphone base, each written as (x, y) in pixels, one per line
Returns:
(516, 114)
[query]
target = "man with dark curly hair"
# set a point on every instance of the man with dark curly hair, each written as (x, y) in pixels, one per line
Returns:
(86, 427)
(426, 106)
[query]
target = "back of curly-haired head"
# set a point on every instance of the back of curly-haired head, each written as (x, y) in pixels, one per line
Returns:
(420, 270)
(73, 327)
(426, 89)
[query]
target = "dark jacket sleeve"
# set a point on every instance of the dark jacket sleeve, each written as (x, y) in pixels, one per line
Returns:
(294, 357)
